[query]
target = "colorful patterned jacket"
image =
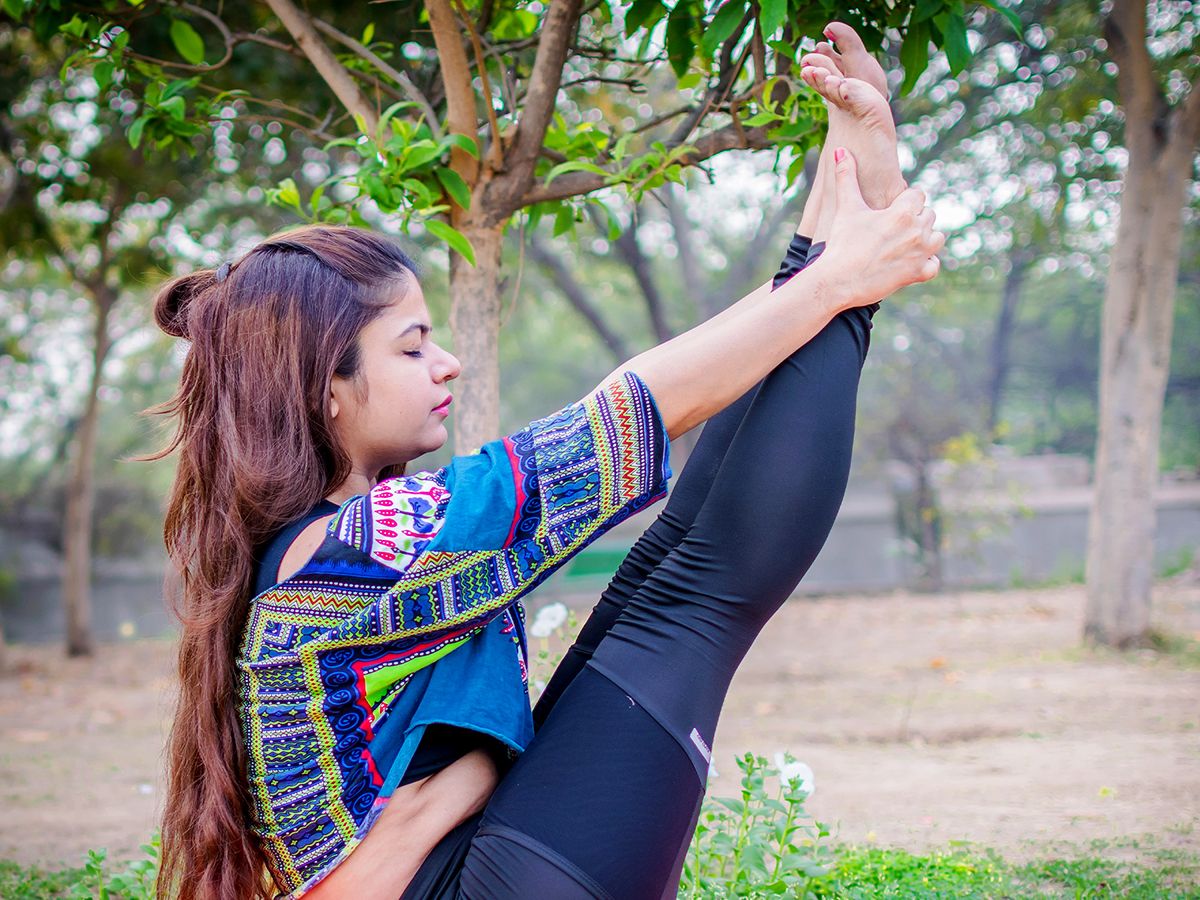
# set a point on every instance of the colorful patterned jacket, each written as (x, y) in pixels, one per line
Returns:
(422, 566)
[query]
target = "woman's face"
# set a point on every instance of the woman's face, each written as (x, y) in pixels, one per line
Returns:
(395, 408)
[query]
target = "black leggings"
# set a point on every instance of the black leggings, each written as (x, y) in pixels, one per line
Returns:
(604, 801)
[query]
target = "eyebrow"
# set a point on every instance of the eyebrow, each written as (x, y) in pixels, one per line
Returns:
(415, 326)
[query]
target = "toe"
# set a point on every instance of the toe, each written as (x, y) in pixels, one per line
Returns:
(847, 38)
(826, 48)
(822, 62)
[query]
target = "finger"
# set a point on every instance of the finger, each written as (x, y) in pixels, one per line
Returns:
(848, 194)
(927, 217)
(930, 269)
(937, 240)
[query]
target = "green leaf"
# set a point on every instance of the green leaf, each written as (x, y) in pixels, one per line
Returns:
(420, 153)
(189, 44)
(1010, 15)
(455, 186)
(462, 142)
(622, 146)
(456, 239)
(175, 107)
(136, 129)
(614, 224)
(642, 13)
(771, 15)
(15, 8)
(954, 29)
(368, 34)
(288, 194)
(680, 45)
(75, 27)
(564, 220)
(914, 55)
(103, 73)
(574, 165)
(721, 27)
(762, 118)
(926, 10)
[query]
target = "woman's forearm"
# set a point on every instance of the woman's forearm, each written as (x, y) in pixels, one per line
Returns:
(700, 372)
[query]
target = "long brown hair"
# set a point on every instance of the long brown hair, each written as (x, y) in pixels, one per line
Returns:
(257, 449)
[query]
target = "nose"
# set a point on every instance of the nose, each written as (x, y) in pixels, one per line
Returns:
(448, 366)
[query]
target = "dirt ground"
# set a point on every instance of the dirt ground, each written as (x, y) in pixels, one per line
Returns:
(926, 719)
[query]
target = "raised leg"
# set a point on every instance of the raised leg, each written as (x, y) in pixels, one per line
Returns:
(667, 530)
(606, 794)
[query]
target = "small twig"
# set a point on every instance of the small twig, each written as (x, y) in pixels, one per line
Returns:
(634, 86)
(406, 83)
(497, 149)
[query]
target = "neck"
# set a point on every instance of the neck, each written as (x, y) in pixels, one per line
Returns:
(356, 483)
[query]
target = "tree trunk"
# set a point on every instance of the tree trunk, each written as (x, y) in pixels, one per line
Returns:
(1135, 351)
(77, 526)
(1019, 261)
(475, 324)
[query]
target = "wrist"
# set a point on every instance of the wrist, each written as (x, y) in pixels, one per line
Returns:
(830, 286)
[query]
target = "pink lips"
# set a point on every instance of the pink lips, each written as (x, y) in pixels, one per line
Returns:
(444, 406)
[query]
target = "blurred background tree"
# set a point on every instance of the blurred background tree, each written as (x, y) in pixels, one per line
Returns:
(622, 233)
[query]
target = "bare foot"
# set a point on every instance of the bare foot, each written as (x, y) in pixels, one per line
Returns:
(861, 121)
(852, 57)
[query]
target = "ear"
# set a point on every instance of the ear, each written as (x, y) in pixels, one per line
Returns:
(334, 406)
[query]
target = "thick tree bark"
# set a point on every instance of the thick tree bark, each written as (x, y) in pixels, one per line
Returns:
(1135, 352)
(1135, 338)
(77, 526)
(475, 324)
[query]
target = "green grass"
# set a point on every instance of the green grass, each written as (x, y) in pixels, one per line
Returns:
(19, 883)
(969, 873)
(865, 873)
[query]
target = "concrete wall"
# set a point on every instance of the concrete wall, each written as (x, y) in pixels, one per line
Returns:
(1027, 533)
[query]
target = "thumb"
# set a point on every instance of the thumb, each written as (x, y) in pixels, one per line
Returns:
(849, 195)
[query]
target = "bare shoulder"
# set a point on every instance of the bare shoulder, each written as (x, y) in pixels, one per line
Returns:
(303, 547)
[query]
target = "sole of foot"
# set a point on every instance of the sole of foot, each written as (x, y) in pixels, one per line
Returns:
(861, 121)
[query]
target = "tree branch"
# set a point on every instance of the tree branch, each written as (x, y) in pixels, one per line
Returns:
(572, 184)
(631, 252)
(577, 297)
(406, 84)
(456, 79)
(1141, 94)
(1188, 123)
(496, 151)
(559, 24)
(728, 71)
(689, 267)
(331, 71)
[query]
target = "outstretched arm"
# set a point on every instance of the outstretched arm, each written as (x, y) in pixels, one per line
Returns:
(871, 254)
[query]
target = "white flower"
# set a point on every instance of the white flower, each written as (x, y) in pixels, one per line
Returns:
(797, 774)
(549, 619)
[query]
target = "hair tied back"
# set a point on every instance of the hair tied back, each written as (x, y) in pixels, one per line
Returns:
(223, 272)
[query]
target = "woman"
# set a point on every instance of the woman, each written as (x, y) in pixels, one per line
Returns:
(353, 718)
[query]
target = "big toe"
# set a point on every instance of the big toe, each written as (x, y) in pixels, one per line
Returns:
(847, 38)
(855, 59)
